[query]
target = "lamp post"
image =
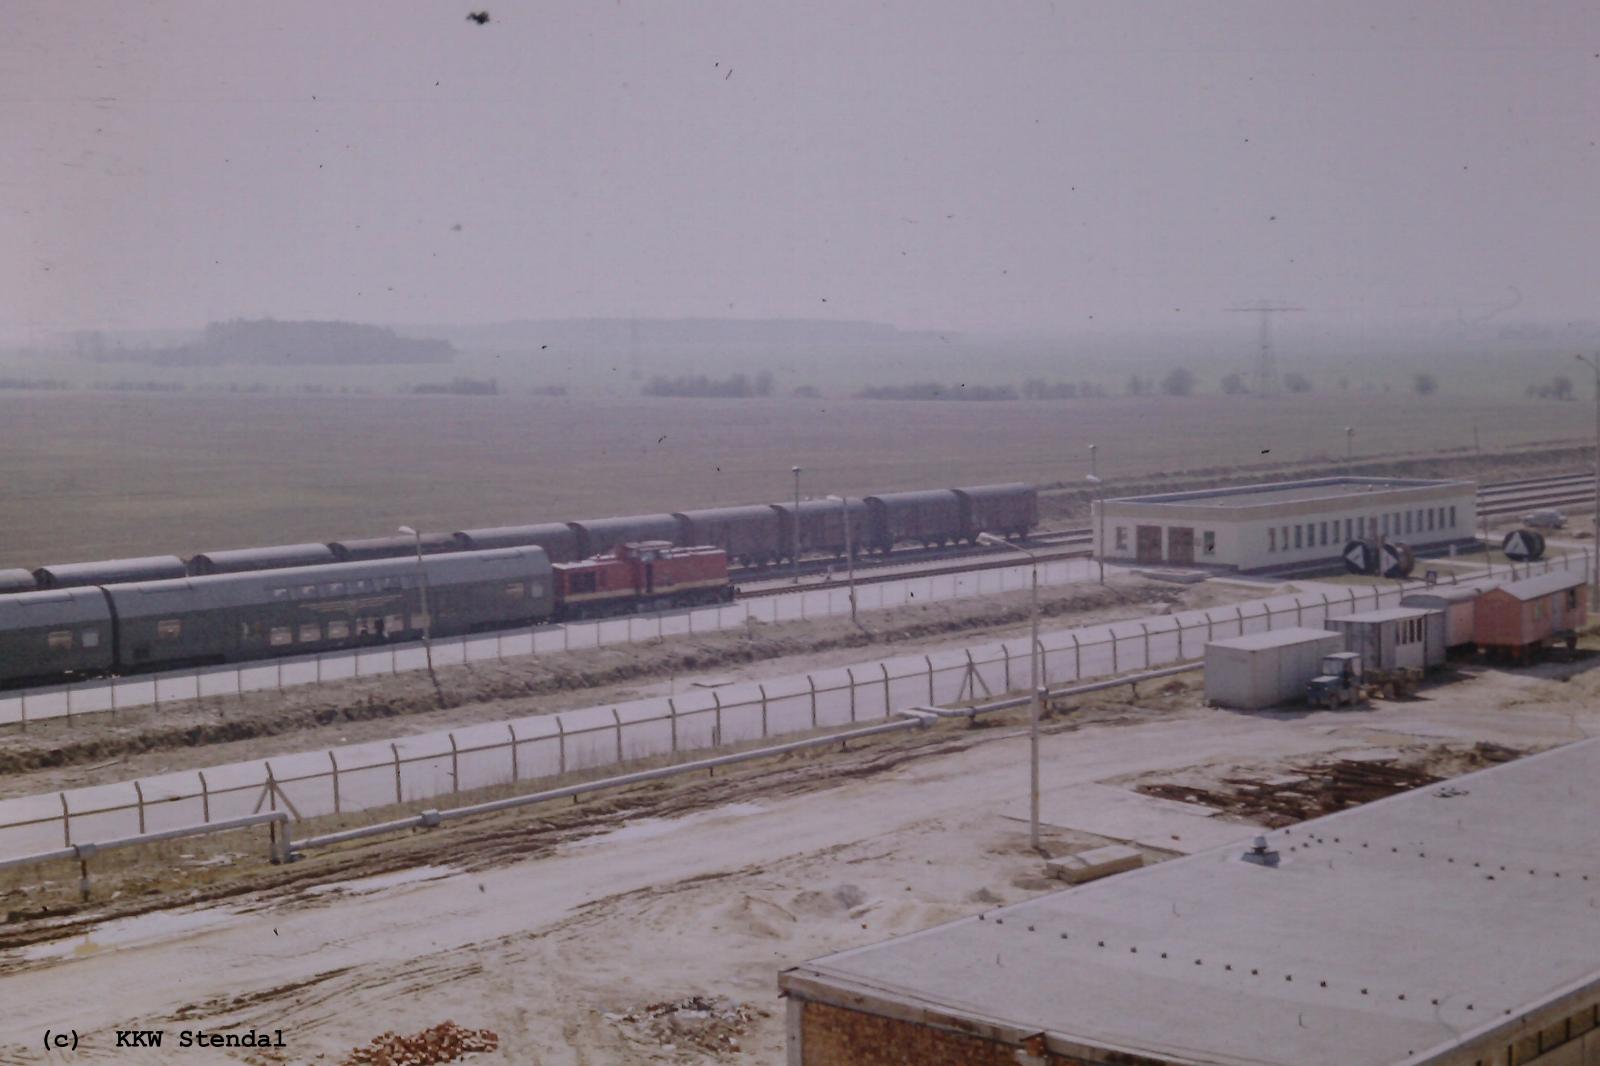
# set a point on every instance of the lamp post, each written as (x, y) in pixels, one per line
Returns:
(794, 560)
(849, 555)
(422, 588)
(1099, 508)
(1033, 677)
(1349, 444)
(1594, 364)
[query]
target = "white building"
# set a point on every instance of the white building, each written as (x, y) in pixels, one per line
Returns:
(1287, 523)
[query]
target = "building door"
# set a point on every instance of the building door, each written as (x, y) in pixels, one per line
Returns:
(1180, 545)
(1148, 543)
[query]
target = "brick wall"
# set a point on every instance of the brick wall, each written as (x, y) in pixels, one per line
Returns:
(833, 1036)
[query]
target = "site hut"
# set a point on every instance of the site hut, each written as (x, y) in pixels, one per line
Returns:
(1460, 606)
(1395, 638)
(1266, 669)
(1521, 617)
(1446, 926)
(1289, 524)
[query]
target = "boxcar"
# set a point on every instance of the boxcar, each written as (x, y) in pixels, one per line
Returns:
(821, 528)
(17, 581)
(398, 546)
(54, 633)
(559, 540)
(751, 535)
(1521, 617)
(1005, 510)
(254, 615)
(109, 572)
(930, 518)
(599, 536)
(244, 560)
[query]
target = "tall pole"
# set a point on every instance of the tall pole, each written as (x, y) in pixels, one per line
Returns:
(1594, 364)
(1349, 444)
(849, 554)
(1099, 508)
(1033, 686)
(794, 560)
(422, 589)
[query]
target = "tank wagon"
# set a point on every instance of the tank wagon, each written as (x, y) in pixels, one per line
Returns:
(109, 572)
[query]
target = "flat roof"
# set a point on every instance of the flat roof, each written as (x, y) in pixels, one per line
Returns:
(1531, 588)
(1277, 638)
(1386, 614)
(1389, 932)
(1280, 492)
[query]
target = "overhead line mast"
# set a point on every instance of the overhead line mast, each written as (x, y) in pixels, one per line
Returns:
(1267, 382)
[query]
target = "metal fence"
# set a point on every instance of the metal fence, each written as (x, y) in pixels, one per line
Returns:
(373, 775)
(110, 695)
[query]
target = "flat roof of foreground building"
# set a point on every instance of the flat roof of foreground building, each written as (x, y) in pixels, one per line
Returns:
(1277, 493)
(1388, 934)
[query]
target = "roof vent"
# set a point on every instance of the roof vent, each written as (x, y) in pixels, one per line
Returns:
(1260, 854)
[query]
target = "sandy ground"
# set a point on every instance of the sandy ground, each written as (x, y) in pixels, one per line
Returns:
(548, 928)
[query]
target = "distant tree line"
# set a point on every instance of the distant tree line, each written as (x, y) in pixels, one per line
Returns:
(459, 387)
(735, 386)
(932, 390)
(1557, 388)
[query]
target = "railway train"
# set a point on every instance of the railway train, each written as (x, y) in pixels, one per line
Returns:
(750, 535)
(59, 634)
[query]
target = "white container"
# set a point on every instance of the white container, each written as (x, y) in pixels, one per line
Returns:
(1266, 669)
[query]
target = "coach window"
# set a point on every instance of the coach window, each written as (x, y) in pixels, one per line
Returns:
(1208, 540)
(338, 629)
(535, 589)
(89, 638)
(393, 623)
(306, 592)
(281, 635)
(310, 631)
(333, 588)
(60, 640)
(169, 629)
(516, 590)
(280, 594)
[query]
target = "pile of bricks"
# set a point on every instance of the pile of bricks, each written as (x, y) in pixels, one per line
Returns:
(445, 1042)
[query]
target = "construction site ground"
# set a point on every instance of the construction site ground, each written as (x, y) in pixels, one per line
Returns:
(648, 925)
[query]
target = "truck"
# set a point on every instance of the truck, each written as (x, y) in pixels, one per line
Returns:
(1339, 684)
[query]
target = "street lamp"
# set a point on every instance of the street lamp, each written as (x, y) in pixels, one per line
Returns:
(422, 587)
(1099, 509)
(794, 560)
(1033, 676)
(1349, 444)
(849, 555)
(1594, 364)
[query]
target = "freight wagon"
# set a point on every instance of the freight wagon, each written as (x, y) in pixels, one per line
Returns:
(109, 572)
(558, 539)
(752, 535)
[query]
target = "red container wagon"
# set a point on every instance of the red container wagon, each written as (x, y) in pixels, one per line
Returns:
(641, 576)
(1521, 618)
(1010, 510)
(751, 535)
(821, 529)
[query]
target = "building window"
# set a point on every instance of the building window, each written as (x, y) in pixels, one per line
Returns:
(1408, 522)
(1452, 516)
(60, 640)
(169, 629)
(1572, 605)
(1324, 536)
(1297, 536)
(1285, 532)
(1208, 542)
(1272, 538)
(1122, 542)
(1386, 525)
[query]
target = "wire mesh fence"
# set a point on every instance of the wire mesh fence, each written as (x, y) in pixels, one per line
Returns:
(360, 777)
(110, 695)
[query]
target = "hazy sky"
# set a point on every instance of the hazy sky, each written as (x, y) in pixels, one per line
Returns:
(1019, 166)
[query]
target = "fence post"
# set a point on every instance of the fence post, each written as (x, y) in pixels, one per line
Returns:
(397, 794)
(1146, 630)
(716, 727)
(113, 699)
(1352, 600)
(1005, 651)
(1044, 663)
(1179, 623)
(1239, 610)
(332, 761)
(512, 729)
(1077, 659)
(205, 796)
(66, 821)
(1377, 597)
(319, 668)
(280, 674)
(851, 674)
(24, 712)
(763, 690)
(617, 718)
(561, 745)
(1116, 667)
(672, 720)
(1327, 609)
(1208, 627)
(69, 701)
(138, 792)
(929, 660)
(887, 710)
(813, 683)
(629, 621)
(155, 691)
(1299, 612)
(455, 766)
